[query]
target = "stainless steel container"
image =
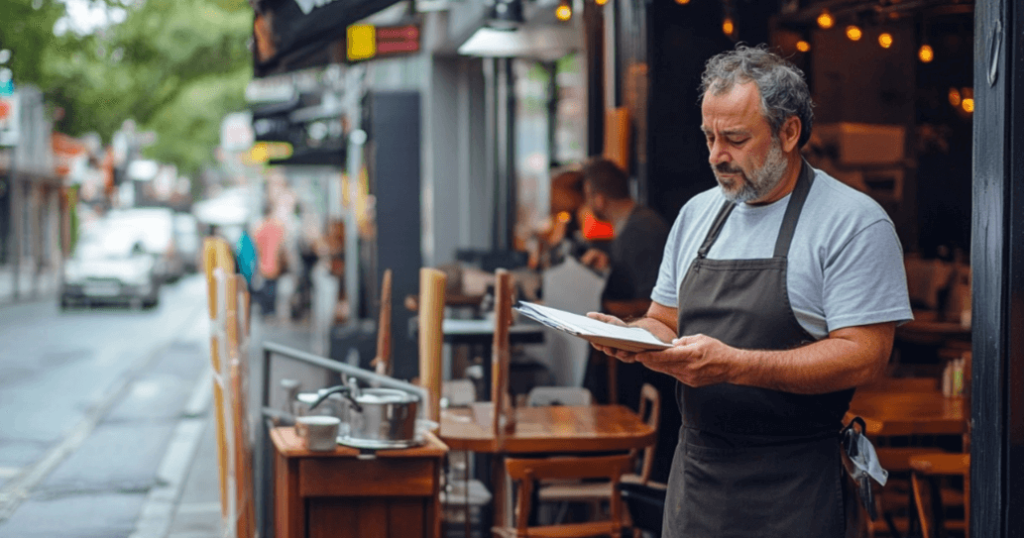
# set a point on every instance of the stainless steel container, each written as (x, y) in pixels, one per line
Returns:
(376, 418)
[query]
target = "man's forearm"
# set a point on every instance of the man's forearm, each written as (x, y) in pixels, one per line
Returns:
(825, 366)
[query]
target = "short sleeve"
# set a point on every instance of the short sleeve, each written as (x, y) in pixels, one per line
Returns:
(666, 288)
(864, 280)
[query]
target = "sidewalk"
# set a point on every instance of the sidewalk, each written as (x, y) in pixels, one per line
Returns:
(30, 286)
(197, 512)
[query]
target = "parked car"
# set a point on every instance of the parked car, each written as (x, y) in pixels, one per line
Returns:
(156, 228)
(110, 265)
(186, 232)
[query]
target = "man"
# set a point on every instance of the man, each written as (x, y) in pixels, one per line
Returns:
(780, 291)
(639, 241)
(632, 270)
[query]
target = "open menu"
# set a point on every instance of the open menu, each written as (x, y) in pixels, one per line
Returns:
(632, 339)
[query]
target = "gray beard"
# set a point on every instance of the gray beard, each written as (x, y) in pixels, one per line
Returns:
(765, 178)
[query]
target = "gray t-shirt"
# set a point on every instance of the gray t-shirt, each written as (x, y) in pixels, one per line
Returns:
(845, 263)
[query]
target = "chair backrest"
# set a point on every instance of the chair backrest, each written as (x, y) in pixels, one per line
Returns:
(527, 471)
(542, 396)
(650, 405)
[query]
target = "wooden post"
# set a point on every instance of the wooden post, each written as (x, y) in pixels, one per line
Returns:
(503, 415)
(431, 320)
(382, 362)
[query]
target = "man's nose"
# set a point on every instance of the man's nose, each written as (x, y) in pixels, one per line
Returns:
(717, 153)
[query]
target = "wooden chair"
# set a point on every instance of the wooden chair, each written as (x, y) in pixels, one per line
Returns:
(525, 472)
(597, 492)
(932, 498)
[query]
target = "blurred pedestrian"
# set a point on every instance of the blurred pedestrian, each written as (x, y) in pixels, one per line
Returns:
(270, 235)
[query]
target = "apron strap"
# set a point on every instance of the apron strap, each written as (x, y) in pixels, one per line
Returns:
(796, 203)
(716, 228)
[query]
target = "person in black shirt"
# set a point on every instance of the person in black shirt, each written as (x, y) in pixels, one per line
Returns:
(631, 263)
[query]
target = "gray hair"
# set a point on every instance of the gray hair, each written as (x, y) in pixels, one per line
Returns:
(782, 86)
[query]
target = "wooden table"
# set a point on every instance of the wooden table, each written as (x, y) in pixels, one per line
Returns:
(909, 413)
(542, 430)
(339, 493)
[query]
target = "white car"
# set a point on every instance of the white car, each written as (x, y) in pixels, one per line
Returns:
(110, 265)
(155, 228)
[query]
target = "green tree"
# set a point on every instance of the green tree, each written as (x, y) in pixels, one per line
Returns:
(174, 66)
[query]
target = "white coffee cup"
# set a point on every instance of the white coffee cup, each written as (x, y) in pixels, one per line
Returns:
(319, 431)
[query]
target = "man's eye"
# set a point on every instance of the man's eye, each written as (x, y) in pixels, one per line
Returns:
(739, 142)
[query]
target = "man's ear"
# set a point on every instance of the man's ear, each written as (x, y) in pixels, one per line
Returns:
(789, 134)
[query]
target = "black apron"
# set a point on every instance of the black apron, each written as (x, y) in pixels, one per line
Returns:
(753, 462)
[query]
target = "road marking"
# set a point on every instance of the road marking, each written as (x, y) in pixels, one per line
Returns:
(19, 487)
(199, 401)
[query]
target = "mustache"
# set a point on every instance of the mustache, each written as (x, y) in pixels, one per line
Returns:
(726, 168)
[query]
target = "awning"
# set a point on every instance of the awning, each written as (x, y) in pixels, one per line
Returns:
(296, 34)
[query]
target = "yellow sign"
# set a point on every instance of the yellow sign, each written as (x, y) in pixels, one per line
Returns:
(362, 42)
(262, 152)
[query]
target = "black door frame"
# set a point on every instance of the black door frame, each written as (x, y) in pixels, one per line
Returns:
(997, 258)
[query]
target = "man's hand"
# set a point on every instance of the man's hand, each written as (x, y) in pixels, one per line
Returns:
(624, 356)
(696, 360)
(595, 259)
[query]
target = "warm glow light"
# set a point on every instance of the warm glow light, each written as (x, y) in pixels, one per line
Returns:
(885, 40)
(926, 54)
(825, 20)
(954, 97)
(854, 33)
(564, 217)
(728, 26)
(682, 2)
(968, 105)
(601, 2)
(563, 11)
(803, 46)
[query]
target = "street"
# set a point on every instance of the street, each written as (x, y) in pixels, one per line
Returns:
(101, 412)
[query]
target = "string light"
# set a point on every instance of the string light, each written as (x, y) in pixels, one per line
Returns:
(926, 54)
(825, 20)
(564, 11)
(728, 27)
(803, 46)
(885, 40)
(854, 32)
(968, 105)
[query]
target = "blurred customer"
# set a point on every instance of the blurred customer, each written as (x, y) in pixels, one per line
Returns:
(631, 263)
(639, 242)
(270, 235)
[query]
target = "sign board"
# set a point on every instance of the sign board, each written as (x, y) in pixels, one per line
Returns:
(9, 118)
(366, 41)
(236, 132)
(262, 152)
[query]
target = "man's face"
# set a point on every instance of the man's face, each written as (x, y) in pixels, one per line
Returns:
(746, 158)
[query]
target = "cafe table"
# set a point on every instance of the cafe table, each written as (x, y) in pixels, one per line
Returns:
(897, 413)
(549, 430)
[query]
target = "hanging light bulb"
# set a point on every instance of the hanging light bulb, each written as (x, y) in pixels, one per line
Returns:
(968, 105)
(825, 20)
(564, 11)
(854, 32)
(885, 40)
(728, 27)
(803, 46)
(601, 2)
(925, 53)
(954, 97)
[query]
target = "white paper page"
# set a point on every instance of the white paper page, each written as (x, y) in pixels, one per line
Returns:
(583, 325)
